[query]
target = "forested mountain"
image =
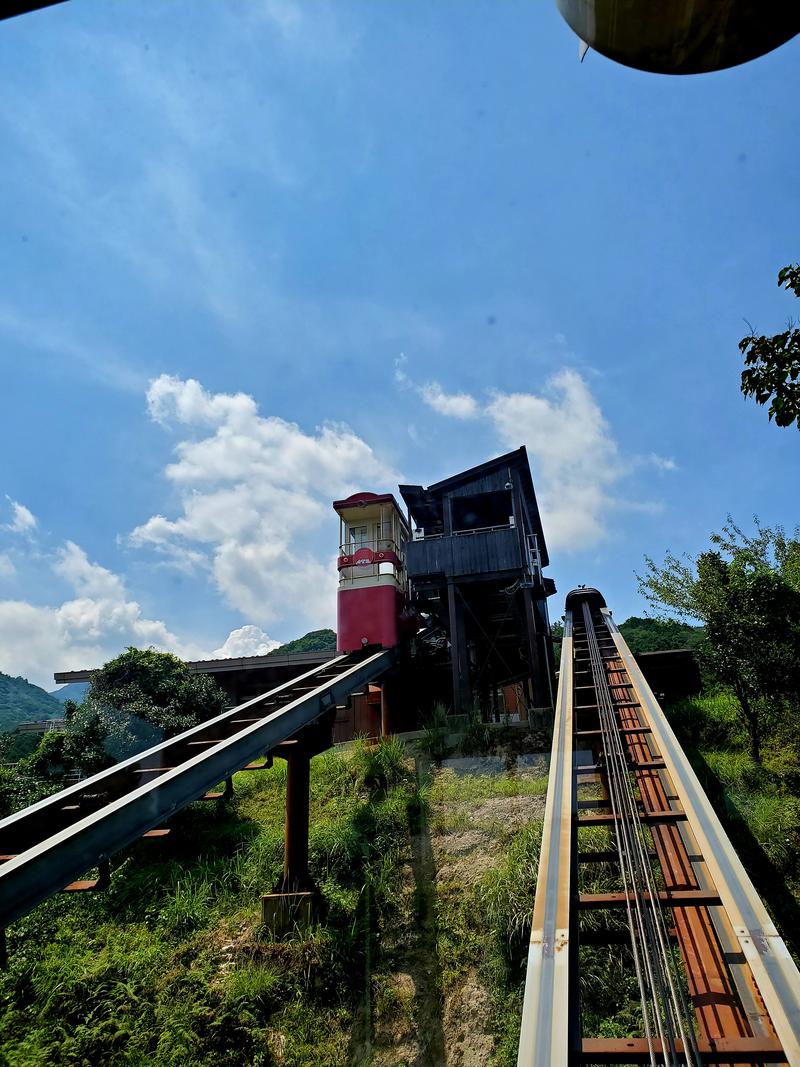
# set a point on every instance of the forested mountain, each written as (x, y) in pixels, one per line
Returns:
(71, 691)
(20, 702)
(313, 641)
(658, 635)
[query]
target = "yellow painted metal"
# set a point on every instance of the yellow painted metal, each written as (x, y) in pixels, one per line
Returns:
(545, 1014)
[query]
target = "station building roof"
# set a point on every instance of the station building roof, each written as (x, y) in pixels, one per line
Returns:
(426, 505)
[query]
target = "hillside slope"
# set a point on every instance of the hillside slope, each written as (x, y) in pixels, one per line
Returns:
(313, 641)
(20, 702)
(659, 635)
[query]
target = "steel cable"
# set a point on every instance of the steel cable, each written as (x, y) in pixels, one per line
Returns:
(664, 1006)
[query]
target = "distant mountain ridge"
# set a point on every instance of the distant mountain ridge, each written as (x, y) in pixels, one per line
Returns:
(660, 635)
(313, 641)
(20, 701)
(71, 691)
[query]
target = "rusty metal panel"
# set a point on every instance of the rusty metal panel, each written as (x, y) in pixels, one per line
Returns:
(774, 972)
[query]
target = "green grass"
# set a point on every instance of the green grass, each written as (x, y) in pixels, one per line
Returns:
(759, 803)
(483, 923)
(169, 966)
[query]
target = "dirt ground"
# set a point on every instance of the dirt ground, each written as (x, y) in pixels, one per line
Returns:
(423, 1020)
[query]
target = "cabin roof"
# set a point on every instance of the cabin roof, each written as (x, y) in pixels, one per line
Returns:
(425, 505)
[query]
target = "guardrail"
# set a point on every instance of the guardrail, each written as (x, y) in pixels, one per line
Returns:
(53, 842)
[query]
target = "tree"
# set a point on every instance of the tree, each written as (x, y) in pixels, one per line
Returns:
(658, 635)
(134, 701)
(557, 632)
(772, 364)
(746, 592)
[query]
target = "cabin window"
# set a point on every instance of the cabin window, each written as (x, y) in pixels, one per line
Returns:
(358, 535)
(482, 510)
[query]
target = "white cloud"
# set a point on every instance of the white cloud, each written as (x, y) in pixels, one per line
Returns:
(255, 493)
(86, 578)
(456, 405)
(7, 568)
(246, 641)
(575, 459)
(576, 462)
(98, 623)
(23, 520)
(662, 463)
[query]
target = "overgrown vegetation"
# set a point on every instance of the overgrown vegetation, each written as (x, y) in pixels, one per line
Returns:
(313, 641)
(746, 591)
(759, 802)
(426, 888)
(474, 903)
(169, 966)
(20, 701)
(660, 635)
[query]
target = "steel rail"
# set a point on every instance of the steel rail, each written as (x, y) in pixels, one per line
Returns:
(56, 858)
(744, 987)
(633, 896)
(774, 972)
(544, 1039)
(668, 997)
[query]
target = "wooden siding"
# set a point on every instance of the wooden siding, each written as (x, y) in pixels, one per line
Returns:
(465, 554)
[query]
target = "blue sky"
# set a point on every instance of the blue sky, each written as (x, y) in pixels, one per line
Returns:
(258, 254)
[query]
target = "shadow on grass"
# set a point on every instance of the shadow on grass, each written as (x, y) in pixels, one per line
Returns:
(765, 874)
(426, 970)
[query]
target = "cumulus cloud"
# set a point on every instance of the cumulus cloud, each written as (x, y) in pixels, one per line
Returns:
(98, 622)
(248, 640)
(23, 521)
(95, 624)
(456, 405)
(255, 494)
(577, 466)
(575, 459)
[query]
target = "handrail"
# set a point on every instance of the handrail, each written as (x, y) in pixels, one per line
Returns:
(466, 533)
(61, 849)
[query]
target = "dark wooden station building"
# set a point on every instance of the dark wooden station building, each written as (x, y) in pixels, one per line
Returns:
(475, 564)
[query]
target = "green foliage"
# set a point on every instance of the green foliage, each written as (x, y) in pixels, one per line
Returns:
(22, 702)
(557, 630)
(746, 590)
(772, 364)
(134, 701)
(433, 741)
(380, 767)
(313, 641)
(761, 796)
(657, 635)
(506, 893)
(14, 746)
(169, 966)
(158, 688)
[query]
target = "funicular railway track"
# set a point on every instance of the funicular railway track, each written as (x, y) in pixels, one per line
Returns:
(45, 847)
(715, 982)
